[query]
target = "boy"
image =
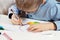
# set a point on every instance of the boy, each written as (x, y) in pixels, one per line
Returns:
(45, 10)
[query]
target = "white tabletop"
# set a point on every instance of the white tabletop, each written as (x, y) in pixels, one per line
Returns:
(15, 33)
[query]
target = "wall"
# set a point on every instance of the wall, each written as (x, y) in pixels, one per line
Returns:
(4, 5)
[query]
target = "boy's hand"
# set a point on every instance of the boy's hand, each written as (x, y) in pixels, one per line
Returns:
(15, 20)
(41, 27)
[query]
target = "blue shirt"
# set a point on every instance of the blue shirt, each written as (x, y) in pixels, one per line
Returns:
(48, 11)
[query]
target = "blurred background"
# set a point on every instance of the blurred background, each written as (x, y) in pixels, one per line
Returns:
(5, 4)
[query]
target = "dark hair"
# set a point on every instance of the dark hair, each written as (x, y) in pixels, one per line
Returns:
(22, 14)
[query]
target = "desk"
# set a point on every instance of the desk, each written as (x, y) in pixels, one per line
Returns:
(16, 34)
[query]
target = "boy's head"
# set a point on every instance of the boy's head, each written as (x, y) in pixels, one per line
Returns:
(28, 5)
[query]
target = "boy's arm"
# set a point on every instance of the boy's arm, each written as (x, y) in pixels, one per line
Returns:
(11, 10)
(55, 15)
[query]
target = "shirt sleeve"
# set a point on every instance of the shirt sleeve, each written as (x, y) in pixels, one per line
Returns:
(55, 15)
(12, 9)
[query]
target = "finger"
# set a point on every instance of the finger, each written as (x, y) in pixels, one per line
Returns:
(14, 22)
(19, 21)
(37, 30)
(32, 28)
(29, 28)
(15, 17)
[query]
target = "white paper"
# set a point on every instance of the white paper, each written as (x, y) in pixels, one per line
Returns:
(18, 32)
(6, 24)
